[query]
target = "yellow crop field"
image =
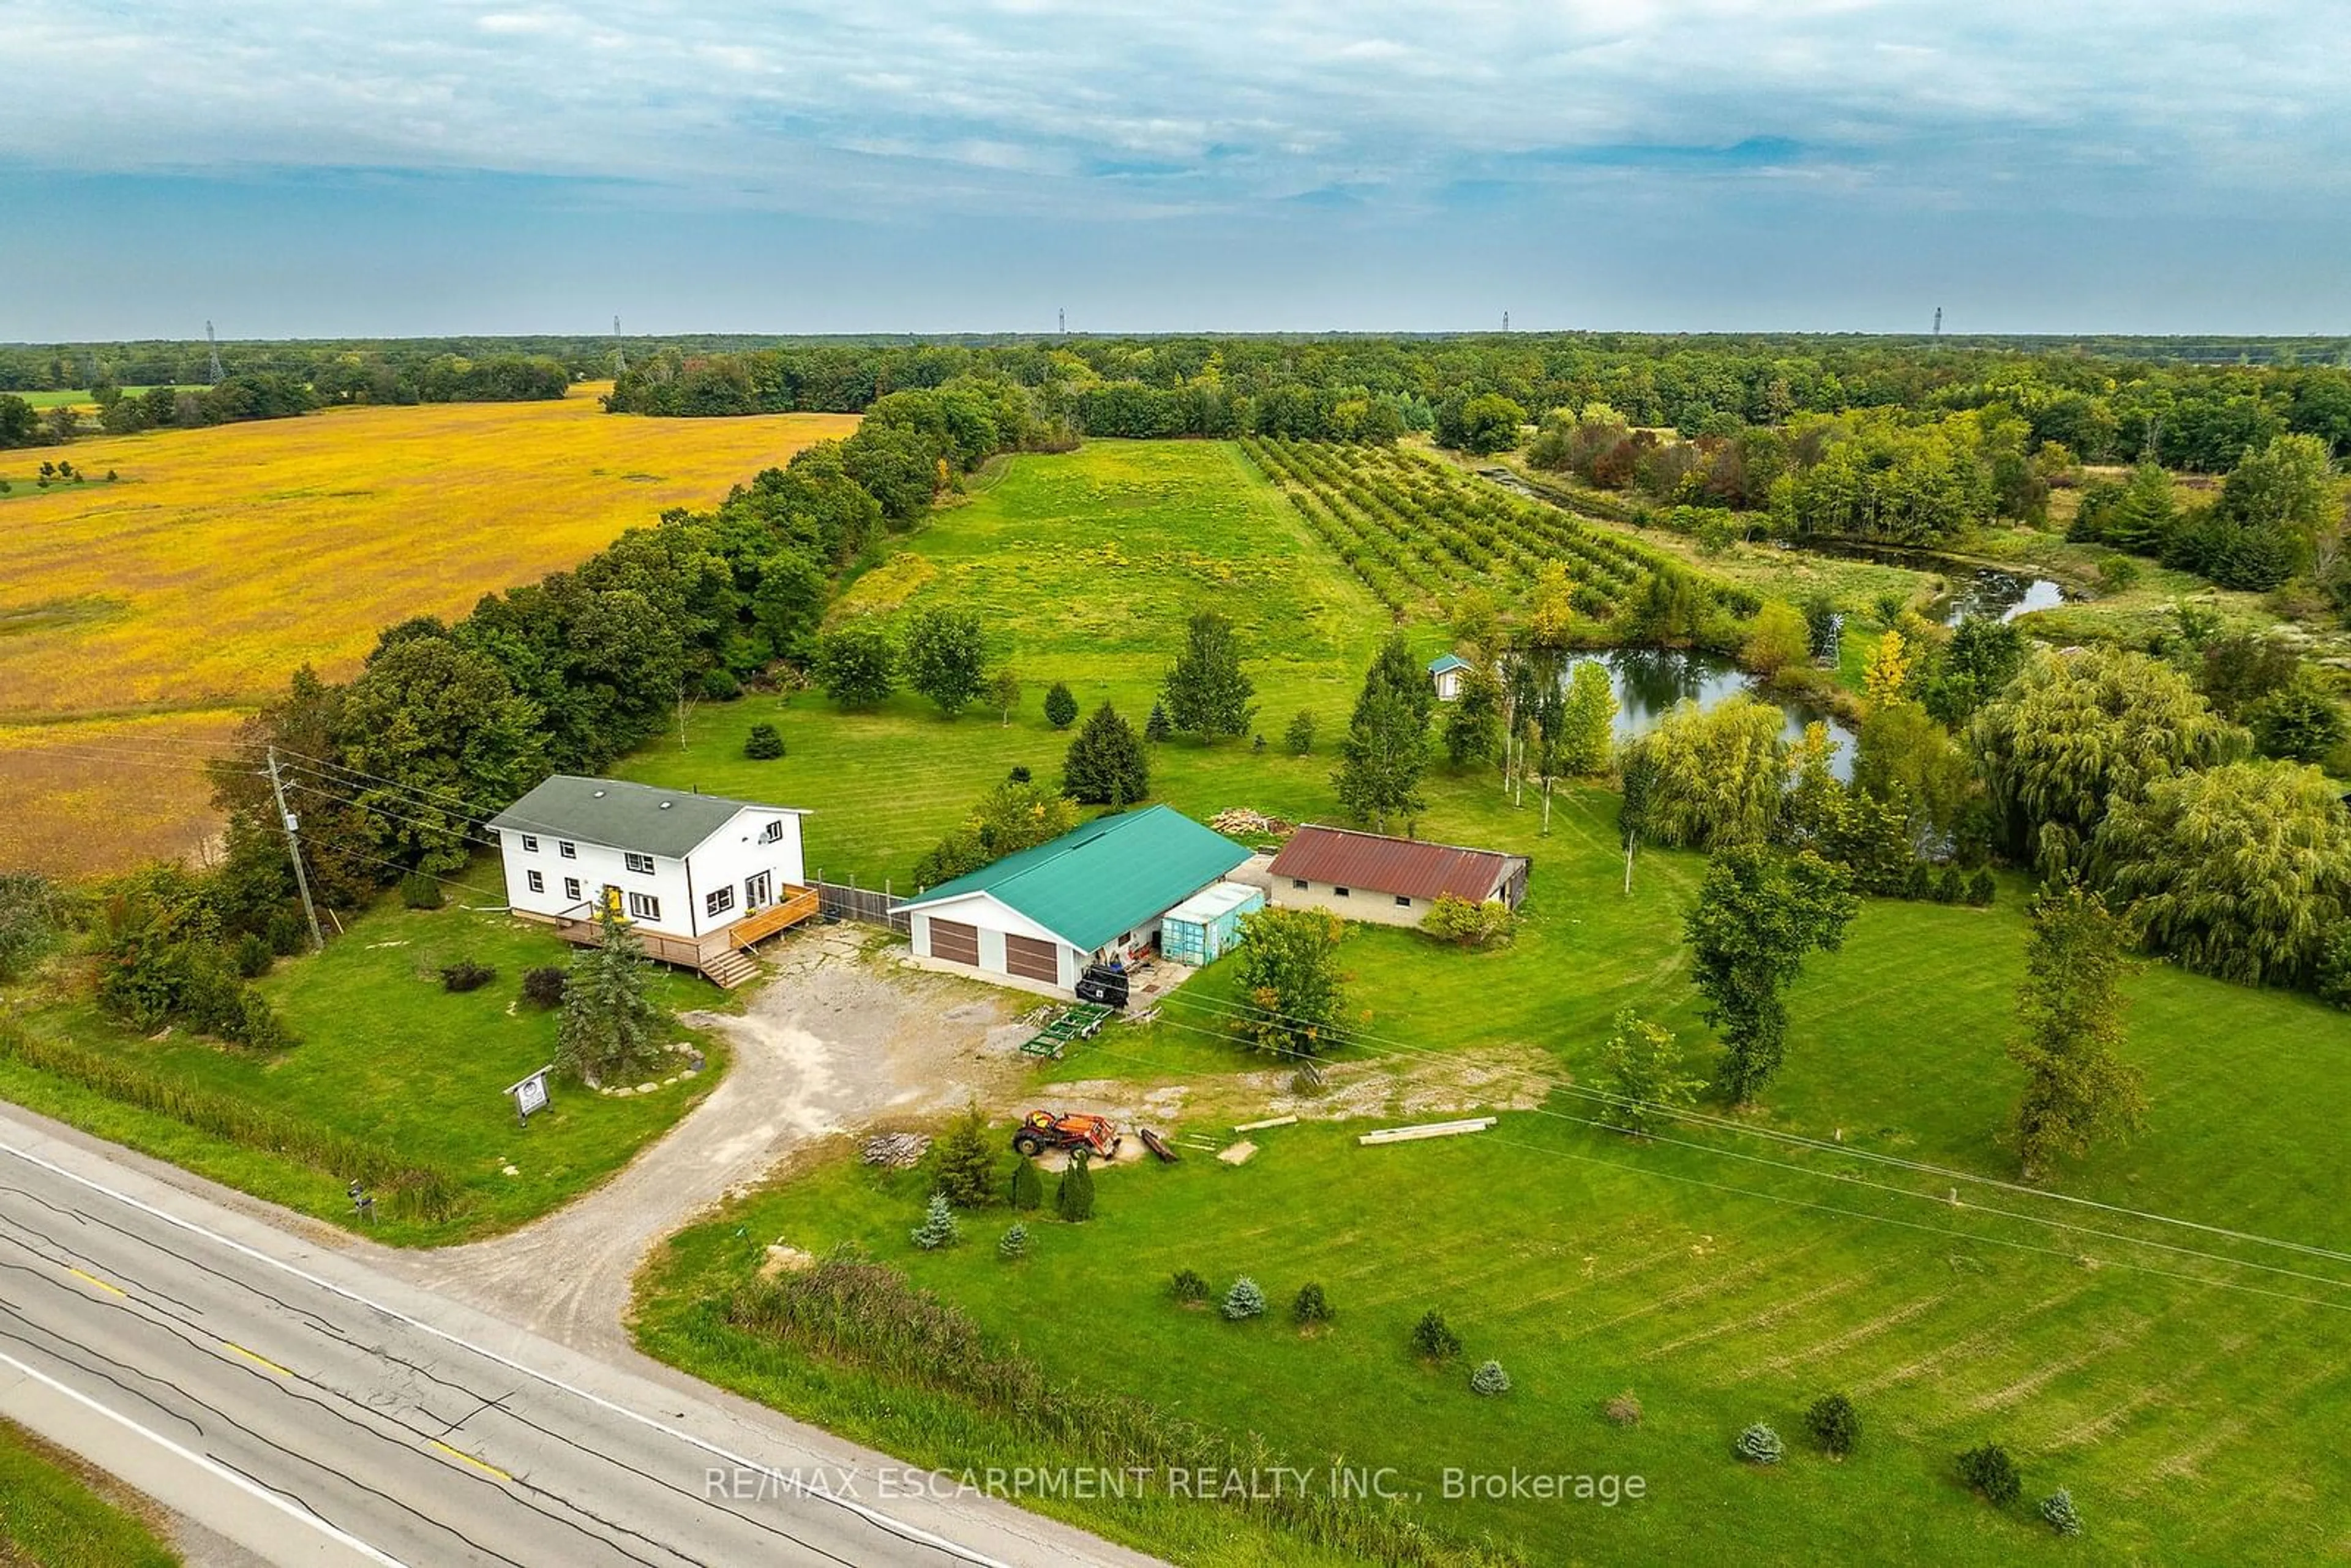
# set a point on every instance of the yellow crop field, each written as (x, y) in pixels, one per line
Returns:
(139, 619)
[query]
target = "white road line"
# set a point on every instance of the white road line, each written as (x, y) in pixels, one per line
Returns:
(218, 1471)
(896, 1526)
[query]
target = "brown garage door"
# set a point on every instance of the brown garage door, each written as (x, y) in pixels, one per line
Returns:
(954, 942)
(1032, 960)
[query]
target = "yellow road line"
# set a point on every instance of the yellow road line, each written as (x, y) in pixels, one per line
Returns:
(90, 1279)
(261, 1361)
(468, 1458)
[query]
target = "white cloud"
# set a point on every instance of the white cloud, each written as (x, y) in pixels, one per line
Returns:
(1065, 107)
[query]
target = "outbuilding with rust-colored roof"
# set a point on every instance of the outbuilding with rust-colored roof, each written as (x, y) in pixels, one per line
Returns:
(1392, 882)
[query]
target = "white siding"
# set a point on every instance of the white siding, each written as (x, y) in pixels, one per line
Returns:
(728, 858)
(992, 920)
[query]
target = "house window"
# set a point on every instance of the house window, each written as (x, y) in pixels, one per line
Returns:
(1402, 902)
(530, 843)
(642, 864)
(1338, 892)
(570, 888)
(537, 883)
(568, 850)
(719, 902)
(644, 906)
(773, 832)
(1298, 882)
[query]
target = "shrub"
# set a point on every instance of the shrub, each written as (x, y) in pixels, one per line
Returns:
(418, 891)
(1013, 1243)
(542, 986)
(966, 1162)
(1060, 708)
(1489, 924)
(1311, 1308)
(256, 1024)
(719, 685)
(2057, 1509)
(466, 975)
(1990, 1472)
(1834, 1424)
(1073, 1197)
(1759, 1445)
(1028, 1186)
(1432, 1340)
(1299, 736)
(1245, 1299)
(1188, 1288)
(31, 921)
(2335, 966)
(1019, 773)
(286, 934)
(2117, 573)
(1982, 888)
(253, 957)
(939, 1226)
(1623, 1410)
(1490, 1379)
(764, 744)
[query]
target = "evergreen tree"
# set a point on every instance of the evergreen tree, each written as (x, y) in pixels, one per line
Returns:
(1028, 1186)
(1473, 726)
(1489, 1380)
(1105, 764)
(607, 1029)
(2057, 1511)
(2069, 1018)
(1060, 708)
(1758, 912)
(1157, 728)
(1013, 1243)
(1386, 748)
(1245, 1299)
(1834, 1424)
(1299, 736)
(1205, 692)
(966, 1166)
(939, 1226)
(1073, 1197)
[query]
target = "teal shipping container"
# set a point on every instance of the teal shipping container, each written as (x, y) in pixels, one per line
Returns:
(1198, 930)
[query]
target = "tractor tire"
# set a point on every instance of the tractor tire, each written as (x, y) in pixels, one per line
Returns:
(1114, 1144)
(1028, 1146)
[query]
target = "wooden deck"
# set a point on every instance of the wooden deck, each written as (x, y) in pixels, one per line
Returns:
(715, 953)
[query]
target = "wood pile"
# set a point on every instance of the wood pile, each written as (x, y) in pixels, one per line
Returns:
(1241, 819)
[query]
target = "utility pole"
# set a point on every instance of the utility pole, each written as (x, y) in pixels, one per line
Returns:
(294, 853)
(619, 350)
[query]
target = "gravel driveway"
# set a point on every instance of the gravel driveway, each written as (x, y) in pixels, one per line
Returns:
(834, 1042)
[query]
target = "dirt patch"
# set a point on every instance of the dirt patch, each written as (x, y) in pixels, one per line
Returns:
(1506, 1078)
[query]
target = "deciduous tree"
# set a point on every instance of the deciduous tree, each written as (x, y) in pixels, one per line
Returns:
(1205, 692)
(1291, 983)
(945, 657)
(1759, 915)
(857, 665)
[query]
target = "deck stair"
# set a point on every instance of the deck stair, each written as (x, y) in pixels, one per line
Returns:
(730, 968)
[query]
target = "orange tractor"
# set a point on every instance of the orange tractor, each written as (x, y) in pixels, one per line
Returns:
(1044, 1130)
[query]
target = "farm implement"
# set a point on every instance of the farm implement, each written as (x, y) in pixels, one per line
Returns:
(1069, 1026)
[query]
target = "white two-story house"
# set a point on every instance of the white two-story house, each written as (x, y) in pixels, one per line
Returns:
(699, 878)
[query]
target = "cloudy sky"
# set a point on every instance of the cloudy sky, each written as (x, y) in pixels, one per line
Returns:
(290, 167)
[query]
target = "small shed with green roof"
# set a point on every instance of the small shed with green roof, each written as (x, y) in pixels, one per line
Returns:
(1040, 916)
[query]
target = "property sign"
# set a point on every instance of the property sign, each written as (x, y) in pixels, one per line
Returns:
(530, 1095)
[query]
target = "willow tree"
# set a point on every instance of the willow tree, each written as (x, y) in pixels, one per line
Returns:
(1712, 777)
(2081, 732)
(2238, 871)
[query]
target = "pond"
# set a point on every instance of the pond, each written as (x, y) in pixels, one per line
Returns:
(2003, 595)
(1651, 681)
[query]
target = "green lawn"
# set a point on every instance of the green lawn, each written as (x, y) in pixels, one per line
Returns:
(52, 1517)
(2191, 1403)
(382, 1053)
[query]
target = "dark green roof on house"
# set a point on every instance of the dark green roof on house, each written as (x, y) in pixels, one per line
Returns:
(620, 815)
(1104, 878)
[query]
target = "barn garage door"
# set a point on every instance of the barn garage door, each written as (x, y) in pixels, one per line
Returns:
(954, 942)
(1032, 960)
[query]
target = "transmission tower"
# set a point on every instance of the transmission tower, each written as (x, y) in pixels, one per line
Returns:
(620, 354)
(1062, 323)
(214, 343)
(1938, 323)
(1506, 320)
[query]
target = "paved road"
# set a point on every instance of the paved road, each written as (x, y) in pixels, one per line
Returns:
(312, 1409)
